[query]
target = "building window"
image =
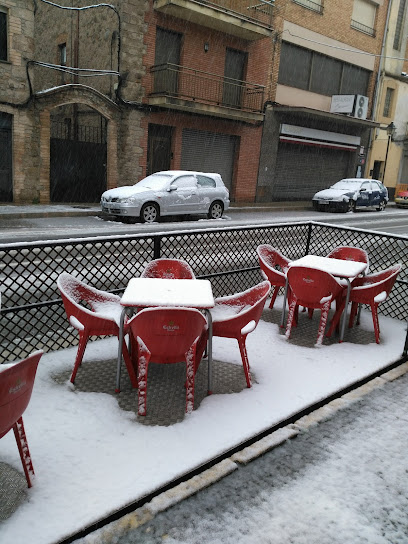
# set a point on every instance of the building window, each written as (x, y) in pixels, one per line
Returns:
(312, 71)
(314, 5)
(389, 94)
(3, 34)
(62, 49)
(399, 25)
(363, 17)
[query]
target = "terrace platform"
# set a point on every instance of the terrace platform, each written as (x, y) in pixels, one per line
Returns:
(92, 448)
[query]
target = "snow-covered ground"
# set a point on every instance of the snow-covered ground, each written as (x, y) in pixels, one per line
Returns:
(92, 458)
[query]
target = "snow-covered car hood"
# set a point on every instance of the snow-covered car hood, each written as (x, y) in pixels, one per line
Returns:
(332, 194)
(125, 192)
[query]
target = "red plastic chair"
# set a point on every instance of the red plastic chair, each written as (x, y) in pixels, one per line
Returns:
(16, 385)
(168, 268)
(101, 317)
(237, 315)
(274, 267)
(168, 335)
(313, 289)
(372, 290)
(349, 253)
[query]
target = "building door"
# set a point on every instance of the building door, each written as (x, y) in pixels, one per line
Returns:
(209, 152)
(159, 148)
(78, 156)
(234, 74)
(377, 174)
(6, 178)
(167, 61)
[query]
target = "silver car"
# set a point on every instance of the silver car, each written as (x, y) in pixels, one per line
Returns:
(172, 192)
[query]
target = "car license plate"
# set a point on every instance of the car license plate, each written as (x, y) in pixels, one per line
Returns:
(323, 202)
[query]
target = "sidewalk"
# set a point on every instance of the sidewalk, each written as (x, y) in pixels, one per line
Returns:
(11, 211)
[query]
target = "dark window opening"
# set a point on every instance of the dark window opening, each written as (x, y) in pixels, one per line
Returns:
(311, 71)
(3, 35)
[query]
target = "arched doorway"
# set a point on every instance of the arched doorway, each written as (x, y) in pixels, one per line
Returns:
(78, 154)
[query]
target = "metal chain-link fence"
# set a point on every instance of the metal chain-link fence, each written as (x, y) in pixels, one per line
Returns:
(32, 314)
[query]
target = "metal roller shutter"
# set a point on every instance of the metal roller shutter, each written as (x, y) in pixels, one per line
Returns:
(303, 170)
(208, 152)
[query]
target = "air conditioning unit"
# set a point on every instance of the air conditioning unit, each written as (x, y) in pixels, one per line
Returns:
(360, 107)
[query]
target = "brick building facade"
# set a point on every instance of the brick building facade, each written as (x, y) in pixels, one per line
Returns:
(171, 84)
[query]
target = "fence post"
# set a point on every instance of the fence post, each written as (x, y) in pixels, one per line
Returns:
(156, 247)
(309, 235)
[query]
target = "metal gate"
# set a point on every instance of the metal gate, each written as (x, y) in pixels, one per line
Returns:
(77, 162)
(6, 178)
(209, 152)
(303, 170)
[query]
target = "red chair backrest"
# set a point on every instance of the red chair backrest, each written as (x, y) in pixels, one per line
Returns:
(249, 305)
(168, 268)
(73, 292)
(310, 286)
(168, 333)
(369, 286)
(16, 385)
(272, 263)
(349, 253)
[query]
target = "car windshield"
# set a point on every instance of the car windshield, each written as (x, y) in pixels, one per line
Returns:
(349, 185)
(156, 182)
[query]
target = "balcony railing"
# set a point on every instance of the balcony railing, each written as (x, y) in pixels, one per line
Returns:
(256, 10)
(205, 88)
(310, 4)
(362, 28)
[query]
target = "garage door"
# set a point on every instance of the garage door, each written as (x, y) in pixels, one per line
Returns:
(209, 152)
(303, 170)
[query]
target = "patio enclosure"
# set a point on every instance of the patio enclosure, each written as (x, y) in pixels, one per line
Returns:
(32, 314)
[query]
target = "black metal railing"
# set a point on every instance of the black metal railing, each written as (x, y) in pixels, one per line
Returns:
(206, 88)
(32, 314)
(362, 28)
(310, 4)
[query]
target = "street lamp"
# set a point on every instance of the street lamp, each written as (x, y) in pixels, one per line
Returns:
(390, 132)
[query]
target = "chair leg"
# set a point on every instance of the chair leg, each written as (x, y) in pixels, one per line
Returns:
(129, 364)
(274, 295)
(323, 322)
(291, 317)
(245, 361)
(190, 372)
(374, 312)
(24, 452)
(143, 363)
(83, 340)
(334, 324)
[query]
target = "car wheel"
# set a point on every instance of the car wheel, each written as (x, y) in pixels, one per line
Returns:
(381, 207)
(216, 210)
(351, 206)
(149, 213)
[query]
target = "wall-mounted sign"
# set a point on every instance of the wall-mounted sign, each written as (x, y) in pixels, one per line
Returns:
(342, 103)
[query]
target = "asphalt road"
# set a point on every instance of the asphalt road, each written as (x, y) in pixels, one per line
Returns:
(392, 220)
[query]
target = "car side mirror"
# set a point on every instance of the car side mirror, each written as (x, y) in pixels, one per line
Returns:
(172, 188)
(363, 189)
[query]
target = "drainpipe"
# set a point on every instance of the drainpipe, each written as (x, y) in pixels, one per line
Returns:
(378, 81)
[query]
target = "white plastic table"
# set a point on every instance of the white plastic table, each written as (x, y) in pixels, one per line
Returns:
(151, 292)
(339, 268)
